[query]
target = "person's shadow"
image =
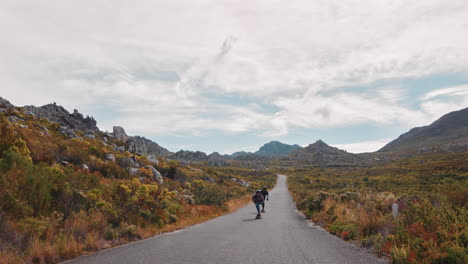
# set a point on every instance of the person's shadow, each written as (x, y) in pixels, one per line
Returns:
(249, 220)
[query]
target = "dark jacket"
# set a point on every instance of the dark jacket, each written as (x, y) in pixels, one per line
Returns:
(265, 194)
(257, 198)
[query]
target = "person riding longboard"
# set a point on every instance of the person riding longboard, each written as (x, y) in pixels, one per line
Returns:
(265, 197)
(258, 199)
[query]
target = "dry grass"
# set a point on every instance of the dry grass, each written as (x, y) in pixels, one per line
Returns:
(202, 213)
(9, 257)
(92, 242)
(368, 221)
(42, 252)
(68, 247)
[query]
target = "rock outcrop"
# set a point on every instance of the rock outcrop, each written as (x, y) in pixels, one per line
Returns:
(69, 132)
(119, 133)
(157, 175)
(241, 182)
(189, 156)
(110, 157)
(5, 104)
(58, 114)
(128, 162)
(217, 160)
(142, 146)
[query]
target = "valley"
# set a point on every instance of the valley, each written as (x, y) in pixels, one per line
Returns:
(68, 188)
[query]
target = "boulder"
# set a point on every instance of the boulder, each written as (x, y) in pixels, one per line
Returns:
(157, 175)
(127, 162)
(45, 131)
(68, 132)
(240, 182)
(110, 156)
(89, 134)
(133, 171)
(84, 167)
(119, 133)
(244, 183)
(153, 159)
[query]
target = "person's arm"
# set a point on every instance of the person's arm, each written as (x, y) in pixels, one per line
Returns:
(268, 196)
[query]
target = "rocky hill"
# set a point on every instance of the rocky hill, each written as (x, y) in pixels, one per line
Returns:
(320, 153)
(193, 157)
(450, 129)
(72, 124)
(276, 148)
(58, 114)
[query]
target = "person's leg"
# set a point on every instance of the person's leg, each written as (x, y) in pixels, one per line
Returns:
(257, 205)
(263, 206)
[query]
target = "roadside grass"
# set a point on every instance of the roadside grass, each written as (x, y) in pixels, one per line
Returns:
(81, 239)
(355, 203)
(52, 208)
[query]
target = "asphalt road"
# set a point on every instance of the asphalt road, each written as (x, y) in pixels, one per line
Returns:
(281, 236)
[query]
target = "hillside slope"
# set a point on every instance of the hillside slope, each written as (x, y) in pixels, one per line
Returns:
(449, 128)
(68, 188)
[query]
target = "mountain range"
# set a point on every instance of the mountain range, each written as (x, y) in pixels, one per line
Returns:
(450, 132)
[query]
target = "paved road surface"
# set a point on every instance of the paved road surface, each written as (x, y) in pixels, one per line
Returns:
(282, 236)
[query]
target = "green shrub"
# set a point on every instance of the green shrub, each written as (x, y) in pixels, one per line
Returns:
(346, 230)
(455, 255)
(110, 233)
(173, 218)
(209, 194)
(463, 238)
(128, 231)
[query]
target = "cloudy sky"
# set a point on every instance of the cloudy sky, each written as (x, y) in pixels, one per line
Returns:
(232, 75)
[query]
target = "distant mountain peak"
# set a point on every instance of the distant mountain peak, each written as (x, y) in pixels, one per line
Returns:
(276, 148)
(321, 146)
(320, 152)
(319, 143)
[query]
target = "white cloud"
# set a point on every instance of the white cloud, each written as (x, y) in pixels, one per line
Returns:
(153, 62)
(460, 90)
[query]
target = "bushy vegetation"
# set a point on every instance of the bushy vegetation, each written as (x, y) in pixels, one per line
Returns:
(355, 203)
(61, 197)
